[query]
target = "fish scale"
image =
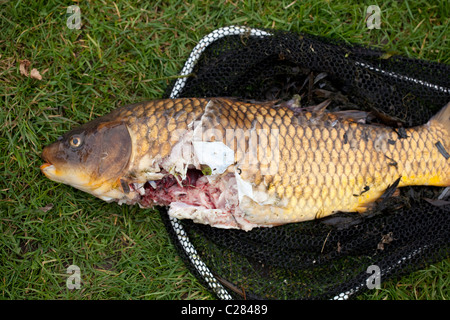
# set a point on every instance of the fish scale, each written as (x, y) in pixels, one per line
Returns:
(354, 164)
(289, 164)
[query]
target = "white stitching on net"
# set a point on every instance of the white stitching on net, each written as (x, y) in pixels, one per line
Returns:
(384, 273)
(402, 77)
(179, 84)
(205, 42)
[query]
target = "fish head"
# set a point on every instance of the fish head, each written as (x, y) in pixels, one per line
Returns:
(92, 158)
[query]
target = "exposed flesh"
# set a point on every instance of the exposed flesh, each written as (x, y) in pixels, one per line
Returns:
(204, 199)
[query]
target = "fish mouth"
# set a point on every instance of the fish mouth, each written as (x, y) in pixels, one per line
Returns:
(45, 165)
(47, 169)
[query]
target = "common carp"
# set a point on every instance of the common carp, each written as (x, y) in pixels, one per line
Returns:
(244, 164)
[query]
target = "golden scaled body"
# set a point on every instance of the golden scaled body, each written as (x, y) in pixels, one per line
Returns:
(301, 165)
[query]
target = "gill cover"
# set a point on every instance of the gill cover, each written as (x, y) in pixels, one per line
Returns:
(114, 150)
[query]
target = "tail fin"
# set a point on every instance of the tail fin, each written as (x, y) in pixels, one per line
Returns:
(443, 117)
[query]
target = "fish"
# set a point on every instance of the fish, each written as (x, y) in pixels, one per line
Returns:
(241, 164)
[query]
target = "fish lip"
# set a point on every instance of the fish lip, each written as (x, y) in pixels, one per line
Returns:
(44, 167)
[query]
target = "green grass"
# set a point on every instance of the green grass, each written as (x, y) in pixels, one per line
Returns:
(126, 52)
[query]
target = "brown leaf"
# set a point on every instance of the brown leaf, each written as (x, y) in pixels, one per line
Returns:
(34, 74)
(385, 239)
(48, 207)
(23, 67)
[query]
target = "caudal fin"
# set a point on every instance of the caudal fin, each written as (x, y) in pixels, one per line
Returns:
(443, 117)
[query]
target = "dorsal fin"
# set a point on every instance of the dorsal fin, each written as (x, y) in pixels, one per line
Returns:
(353, 115)
(294, 105)
(319, 111)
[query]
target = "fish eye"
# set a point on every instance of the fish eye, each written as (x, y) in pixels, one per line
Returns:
(75, 141)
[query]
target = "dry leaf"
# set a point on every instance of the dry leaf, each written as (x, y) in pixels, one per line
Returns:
(48, 207)
(34, 74)
(23, 67)
(385, 239)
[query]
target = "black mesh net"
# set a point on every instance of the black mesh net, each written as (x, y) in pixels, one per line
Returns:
(331, 257)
